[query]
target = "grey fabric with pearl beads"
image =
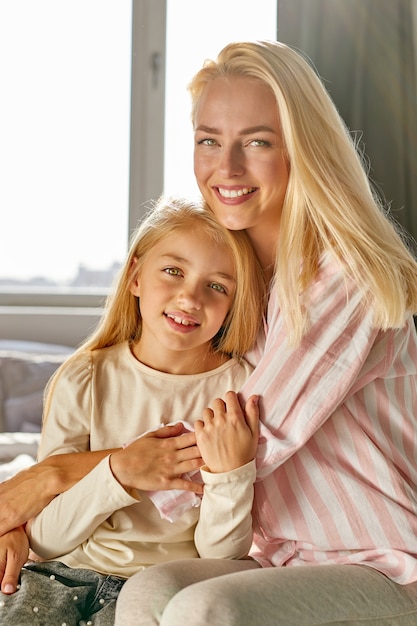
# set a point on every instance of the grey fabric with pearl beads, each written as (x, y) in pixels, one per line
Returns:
(52, 594)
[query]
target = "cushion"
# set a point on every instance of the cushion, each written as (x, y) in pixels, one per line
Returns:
(24, 371)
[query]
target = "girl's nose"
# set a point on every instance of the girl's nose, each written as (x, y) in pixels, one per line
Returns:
(189, 299)
(231, 162)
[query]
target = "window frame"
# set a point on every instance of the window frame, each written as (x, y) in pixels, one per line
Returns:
(67, 315)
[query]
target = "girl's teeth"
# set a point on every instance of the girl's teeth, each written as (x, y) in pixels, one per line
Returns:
(179, 320)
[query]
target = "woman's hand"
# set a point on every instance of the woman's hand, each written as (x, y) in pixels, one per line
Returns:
(25, 495)
(227, 436)
(14, 551)
(157, 460)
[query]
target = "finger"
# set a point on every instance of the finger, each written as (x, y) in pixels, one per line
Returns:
(185, 441)
(252, 414)
(219, 405)
(187, 485)
(188, 455)
(198, 426)
(233, 406)
(11, 575)
(207, 418)
(172, 430)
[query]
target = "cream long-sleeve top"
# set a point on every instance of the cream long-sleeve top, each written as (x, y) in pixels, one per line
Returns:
(101, 401)
(339, 482)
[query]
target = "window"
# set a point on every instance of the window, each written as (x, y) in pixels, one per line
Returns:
(197, 30)
(93, 125)
(64, 149)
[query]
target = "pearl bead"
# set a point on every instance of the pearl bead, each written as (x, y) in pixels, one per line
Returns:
(75, 598)
(52, 577)
(101, 601)
(35, 609)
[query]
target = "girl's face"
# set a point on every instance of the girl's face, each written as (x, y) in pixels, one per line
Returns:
(239, 158)
(186, 288)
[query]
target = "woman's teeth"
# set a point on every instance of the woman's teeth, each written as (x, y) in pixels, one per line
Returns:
(235, 193)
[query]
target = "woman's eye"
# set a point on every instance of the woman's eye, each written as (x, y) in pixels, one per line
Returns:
(206, 142)
(218, 287)
(259, 142)
(172, 271)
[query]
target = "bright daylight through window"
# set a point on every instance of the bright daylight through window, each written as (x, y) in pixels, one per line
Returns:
(65, 124)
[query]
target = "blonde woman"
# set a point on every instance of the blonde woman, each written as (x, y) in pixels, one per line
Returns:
(171, 341)
(335, 515)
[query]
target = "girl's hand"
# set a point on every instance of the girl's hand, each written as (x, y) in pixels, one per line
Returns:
(157, 460)
(227, 436)
(14, 551)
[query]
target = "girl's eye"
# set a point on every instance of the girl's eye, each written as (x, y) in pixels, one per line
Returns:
(218, 287)
(172, 271)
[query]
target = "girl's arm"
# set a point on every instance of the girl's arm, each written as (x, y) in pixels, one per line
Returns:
(227, 438)
(154, 461)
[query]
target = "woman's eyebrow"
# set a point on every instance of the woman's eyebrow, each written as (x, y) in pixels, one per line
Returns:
(260, 128)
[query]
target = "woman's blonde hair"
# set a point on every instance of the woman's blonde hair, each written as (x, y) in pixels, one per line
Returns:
(329, 203)
(122, 320)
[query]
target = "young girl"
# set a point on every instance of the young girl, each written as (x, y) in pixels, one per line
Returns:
(170, 341)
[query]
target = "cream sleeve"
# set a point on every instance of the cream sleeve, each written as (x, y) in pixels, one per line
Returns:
(73, 516)
(224, 529)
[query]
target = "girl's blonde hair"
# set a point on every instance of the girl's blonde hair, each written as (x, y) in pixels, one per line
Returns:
(329, 203)
(122, 320)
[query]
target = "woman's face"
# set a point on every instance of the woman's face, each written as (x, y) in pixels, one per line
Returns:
(239, 158)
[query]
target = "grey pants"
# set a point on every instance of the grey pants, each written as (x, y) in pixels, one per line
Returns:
(52, 594)
(208, 592)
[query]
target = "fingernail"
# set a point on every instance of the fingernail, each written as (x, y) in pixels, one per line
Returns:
(8, 588)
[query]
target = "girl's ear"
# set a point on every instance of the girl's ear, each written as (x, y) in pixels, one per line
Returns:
(135, 284)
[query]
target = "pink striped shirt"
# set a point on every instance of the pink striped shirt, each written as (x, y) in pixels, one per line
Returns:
(340, 485)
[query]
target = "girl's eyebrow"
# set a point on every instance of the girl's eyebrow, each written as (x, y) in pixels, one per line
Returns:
(226, 276)
(261, 128)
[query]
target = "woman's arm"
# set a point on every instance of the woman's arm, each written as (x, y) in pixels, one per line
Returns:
(26, 494)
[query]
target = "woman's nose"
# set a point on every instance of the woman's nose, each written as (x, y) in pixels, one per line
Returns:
(231, 162)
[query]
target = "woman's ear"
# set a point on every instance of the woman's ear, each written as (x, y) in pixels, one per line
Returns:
(135, 284)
